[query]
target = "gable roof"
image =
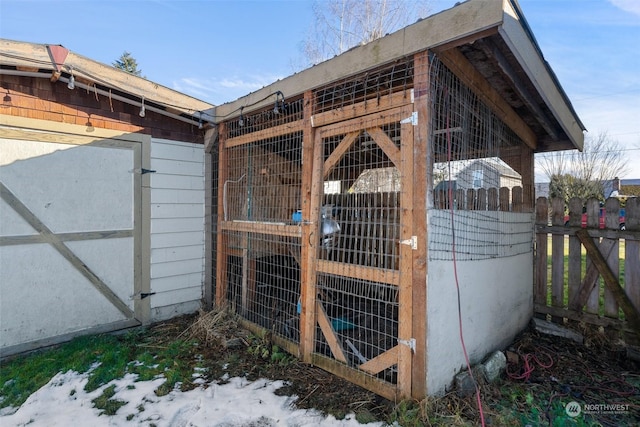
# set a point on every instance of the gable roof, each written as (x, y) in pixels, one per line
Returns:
(55, 62)
(489, 39)
(502, 168)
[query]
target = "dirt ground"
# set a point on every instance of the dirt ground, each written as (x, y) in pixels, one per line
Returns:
(544, 373)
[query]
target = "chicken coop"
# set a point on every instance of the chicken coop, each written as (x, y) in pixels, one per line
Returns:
(367, 209)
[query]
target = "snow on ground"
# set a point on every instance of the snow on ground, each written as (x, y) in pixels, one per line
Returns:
(63, 402)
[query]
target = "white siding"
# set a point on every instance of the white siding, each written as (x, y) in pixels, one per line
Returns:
(177, 227)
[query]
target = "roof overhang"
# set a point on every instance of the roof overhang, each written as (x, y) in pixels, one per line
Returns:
(56, 63)
(491, 39)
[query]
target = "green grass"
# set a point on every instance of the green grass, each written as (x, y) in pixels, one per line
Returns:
(104, 358)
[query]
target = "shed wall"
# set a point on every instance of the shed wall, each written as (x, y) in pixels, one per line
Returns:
(177, 227)
(496, 304)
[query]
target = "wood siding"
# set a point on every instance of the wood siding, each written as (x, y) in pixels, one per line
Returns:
(177, 226)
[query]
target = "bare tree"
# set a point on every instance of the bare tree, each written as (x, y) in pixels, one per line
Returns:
(582, 174)
(342, 24)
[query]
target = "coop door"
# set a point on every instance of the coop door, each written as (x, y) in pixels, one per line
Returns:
(363, 265)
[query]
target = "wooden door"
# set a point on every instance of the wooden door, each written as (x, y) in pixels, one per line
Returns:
(70, 236)
(357, 297)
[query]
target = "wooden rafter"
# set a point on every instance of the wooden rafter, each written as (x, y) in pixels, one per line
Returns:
(464, 70)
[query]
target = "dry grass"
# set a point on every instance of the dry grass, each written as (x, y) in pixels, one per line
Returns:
(213, 328)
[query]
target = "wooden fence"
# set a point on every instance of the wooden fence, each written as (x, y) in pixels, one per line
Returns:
(587, 262)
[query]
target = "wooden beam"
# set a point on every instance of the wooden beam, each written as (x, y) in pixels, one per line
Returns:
(330, 334)
(370, 106)
(360, 378)
(464, 70)
(610, 280)
(579, 316)
(373, 274)
(386, 144)
(65, 237)
(405, 304)
(381, 362)
(360, 123)
(311, 199)
(221, 243)
(590, 278)
(421, 173)
(261, 227)
(339, 151)
(275, 131)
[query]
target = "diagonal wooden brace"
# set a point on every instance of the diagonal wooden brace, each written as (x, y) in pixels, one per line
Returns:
(590, 278)
(610, 280)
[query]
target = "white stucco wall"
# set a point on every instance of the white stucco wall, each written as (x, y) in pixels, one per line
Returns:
(177, 228)
(496, 296)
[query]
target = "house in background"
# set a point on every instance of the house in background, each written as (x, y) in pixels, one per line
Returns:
(488, 173)
(474, 175)
(102, 198)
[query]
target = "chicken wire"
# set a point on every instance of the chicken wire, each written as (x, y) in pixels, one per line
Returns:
(473, 191)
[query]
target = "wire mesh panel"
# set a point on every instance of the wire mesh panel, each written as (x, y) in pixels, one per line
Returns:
(358, 284)
(261, 199)
(364, 318)
(469, 145)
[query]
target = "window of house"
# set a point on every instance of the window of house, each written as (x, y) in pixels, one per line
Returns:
(477, 178)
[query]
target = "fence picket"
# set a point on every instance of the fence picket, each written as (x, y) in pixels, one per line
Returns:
(632, 252)
(566, 280)
(612, 209)
(542, 217)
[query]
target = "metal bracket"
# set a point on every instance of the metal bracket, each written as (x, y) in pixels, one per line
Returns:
(142, 295)
(411, 343)
(142, 171)
(413, 119)
(413, 242)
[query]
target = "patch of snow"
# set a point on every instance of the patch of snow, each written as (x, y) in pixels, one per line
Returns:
(63, 402)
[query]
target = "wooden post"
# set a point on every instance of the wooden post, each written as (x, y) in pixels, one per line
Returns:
(405, 308)
(221, 254)
(312, 188)
(421, 171)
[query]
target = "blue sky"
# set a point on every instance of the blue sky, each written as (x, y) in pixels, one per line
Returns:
(219, 50)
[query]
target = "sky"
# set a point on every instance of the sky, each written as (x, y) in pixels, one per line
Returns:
(236, 403)
(220, 50)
